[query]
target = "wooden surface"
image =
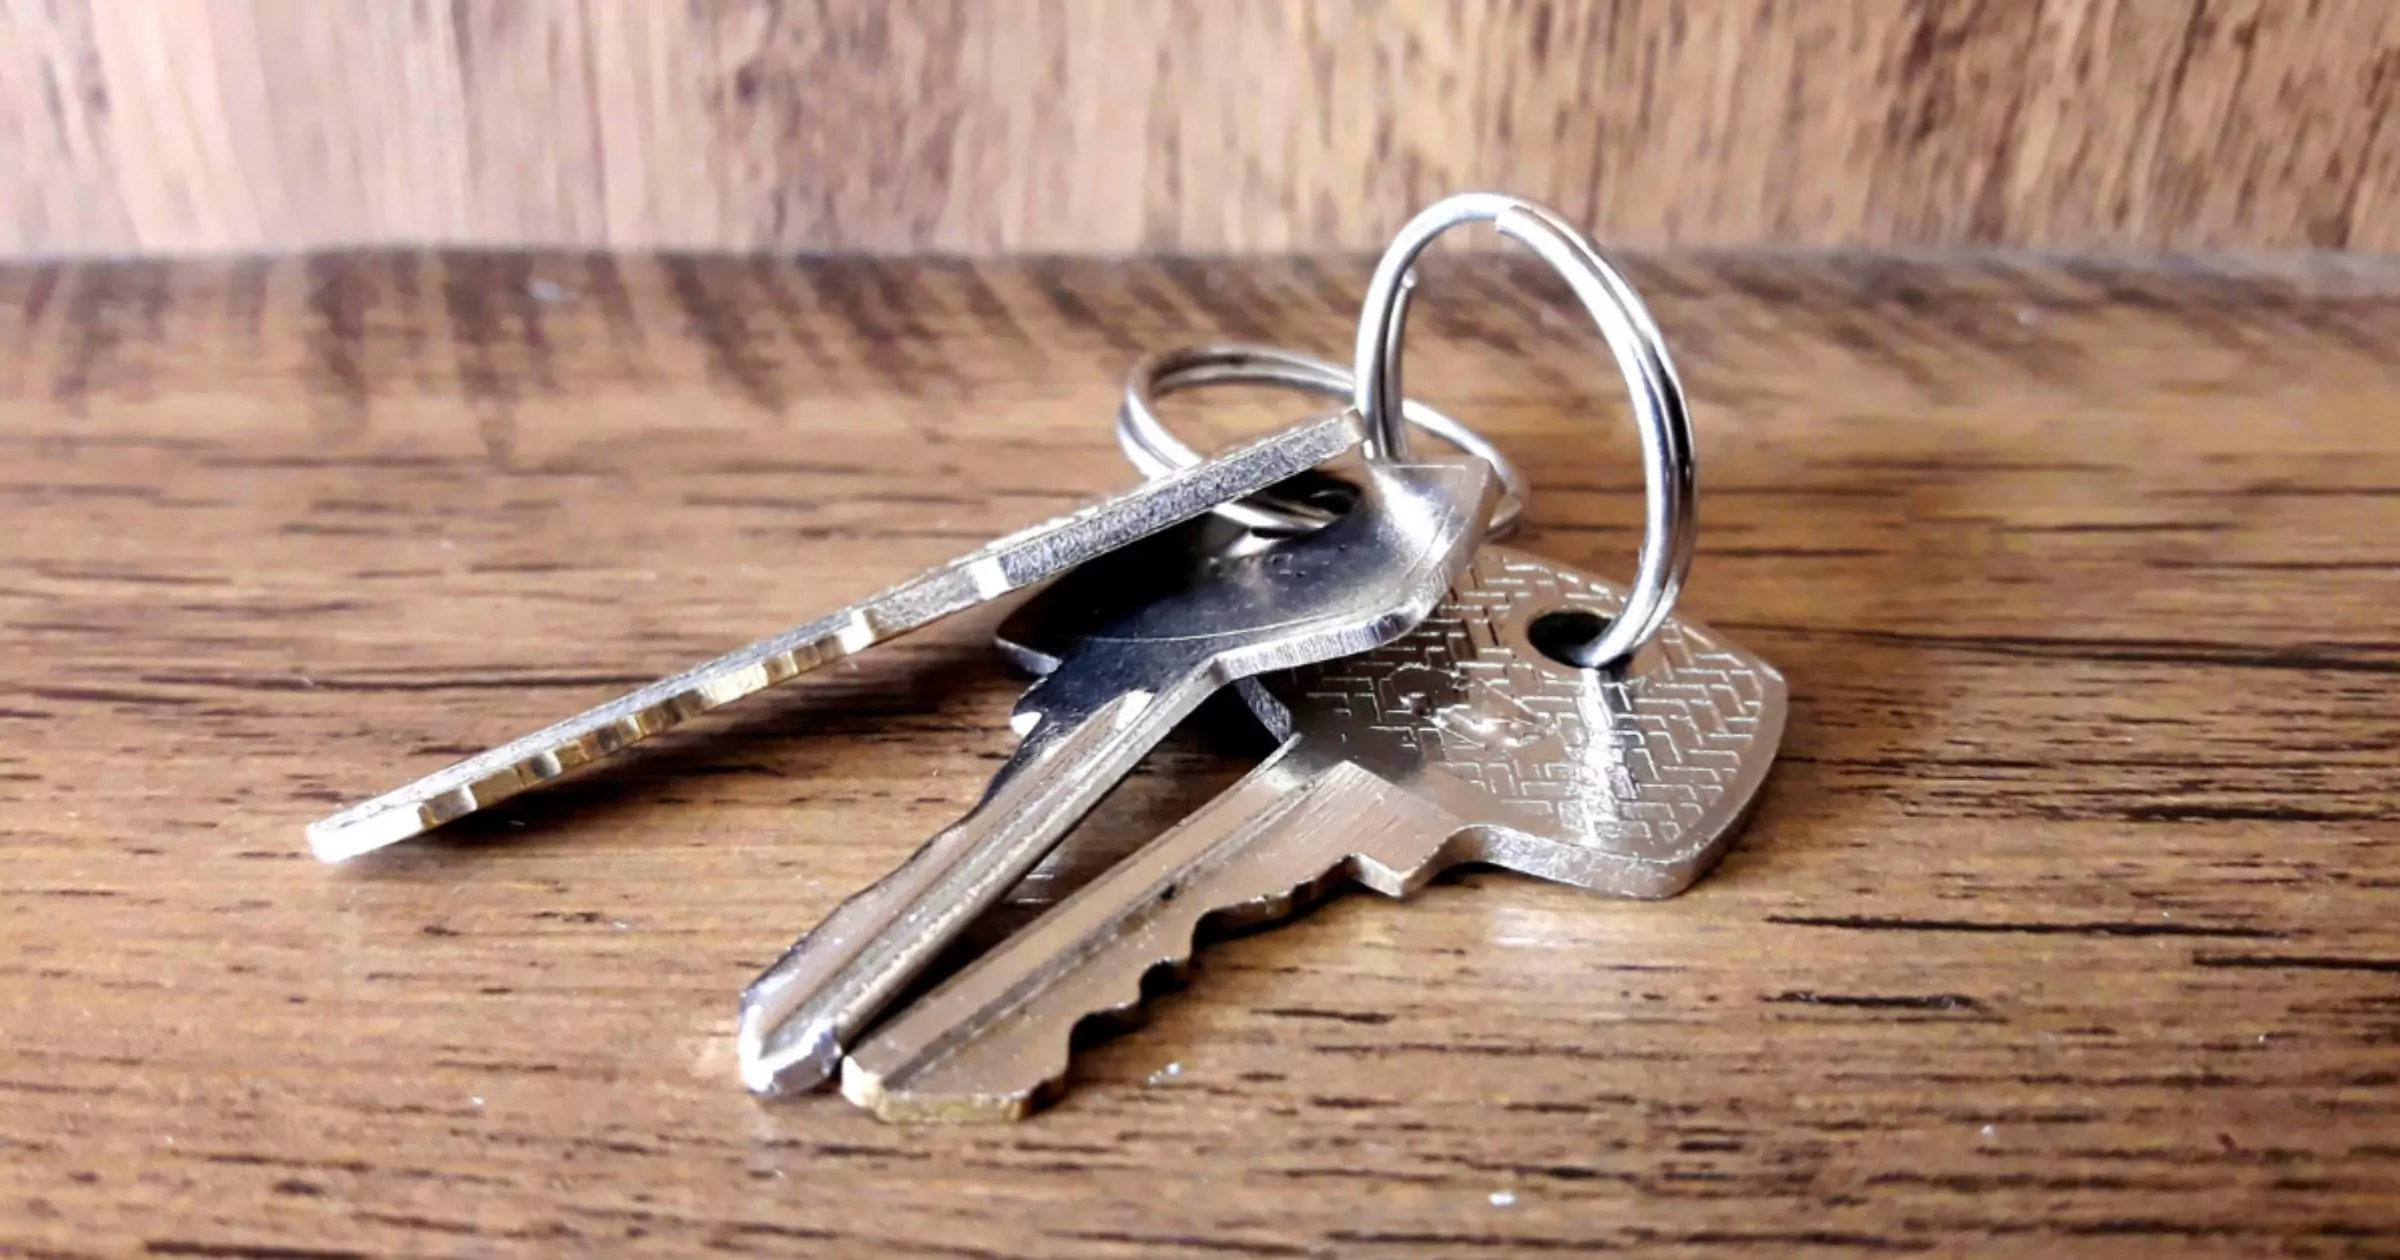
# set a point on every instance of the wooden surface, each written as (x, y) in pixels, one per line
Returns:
(1096, 126)
(2064, 926)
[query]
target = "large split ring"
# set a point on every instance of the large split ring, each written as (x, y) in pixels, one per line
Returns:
(1633, 340)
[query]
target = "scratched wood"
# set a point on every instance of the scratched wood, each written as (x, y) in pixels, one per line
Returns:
(1103, 126)
(2064, 926)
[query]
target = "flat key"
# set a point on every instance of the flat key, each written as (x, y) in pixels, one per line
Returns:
(997, 568)
(1138, 642)
(1463, 742)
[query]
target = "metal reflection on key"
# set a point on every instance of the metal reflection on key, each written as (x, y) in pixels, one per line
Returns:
(1143, 637)
(1469, 740)
(997, 568)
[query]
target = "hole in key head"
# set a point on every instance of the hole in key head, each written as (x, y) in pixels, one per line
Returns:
(1566, 635)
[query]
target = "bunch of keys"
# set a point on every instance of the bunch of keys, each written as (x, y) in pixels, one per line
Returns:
(1440, 699)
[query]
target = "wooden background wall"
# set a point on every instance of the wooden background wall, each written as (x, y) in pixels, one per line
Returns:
(1206, 125)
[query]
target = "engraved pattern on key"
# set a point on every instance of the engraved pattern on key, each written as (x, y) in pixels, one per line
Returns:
(1638, 766)
(1007, 564)
(1459, 742)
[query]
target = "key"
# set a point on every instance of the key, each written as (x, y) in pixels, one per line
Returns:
(997, 568)
(1469, 740)
(1142, 639)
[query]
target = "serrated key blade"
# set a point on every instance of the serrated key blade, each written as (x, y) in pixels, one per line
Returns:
(994, 1041)
(1008, 564)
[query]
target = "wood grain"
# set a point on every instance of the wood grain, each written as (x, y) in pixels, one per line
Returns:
(1106, 126)
(2064, 926)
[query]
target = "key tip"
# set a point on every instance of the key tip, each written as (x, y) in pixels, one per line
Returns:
(350, 833)
(780, 1059)
(863, 1087)
(895, 1103)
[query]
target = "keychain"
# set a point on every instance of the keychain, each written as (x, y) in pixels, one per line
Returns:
(1440, 699)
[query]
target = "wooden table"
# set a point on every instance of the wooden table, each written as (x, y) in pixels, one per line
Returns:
(2069, 922)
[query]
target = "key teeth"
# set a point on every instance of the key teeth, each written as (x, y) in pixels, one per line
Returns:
(1122, 1010)
(1125, 1008)
(904, 1106)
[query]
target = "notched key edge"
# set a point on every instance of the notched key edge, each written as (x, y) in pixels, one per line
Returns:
(1113, 970)
(499, 773)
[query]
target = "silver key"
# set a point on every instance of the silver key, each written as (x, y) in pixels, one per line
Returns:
(1148, 636)
(997, 568)
(1463, 742)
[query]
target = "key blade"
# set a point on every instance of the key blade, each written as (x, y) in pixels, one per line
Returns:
(994, 1041)
(1136, 672)
(997, 568)
(796, 1018)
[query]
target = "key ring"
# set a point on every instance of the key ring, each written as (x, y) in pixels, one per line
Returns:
(1155, 451)
(1634, 341)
